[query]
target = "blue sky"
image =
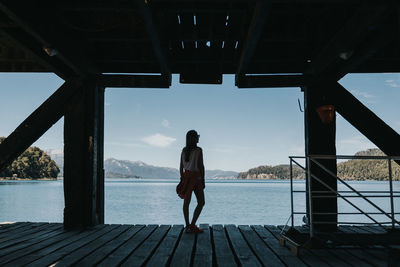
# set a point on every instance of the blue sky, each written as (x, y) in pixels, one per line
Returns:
(239, 128)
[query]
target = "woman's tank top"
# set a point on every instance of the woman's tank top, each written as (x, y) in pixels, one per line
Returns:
(194, 159)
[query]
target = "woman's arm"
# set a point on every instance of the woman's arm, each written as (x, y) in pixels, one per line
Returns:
(181, 167)
(201, 165)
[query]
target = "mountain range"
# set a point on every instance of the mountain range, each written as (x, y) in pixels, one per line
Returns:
(115, 168)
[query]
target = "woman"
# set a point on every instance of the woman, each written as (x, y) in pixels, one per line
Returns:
(192, 179)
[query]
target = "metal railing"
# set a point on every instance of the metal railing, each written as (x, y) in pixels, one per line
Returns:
(346, 195)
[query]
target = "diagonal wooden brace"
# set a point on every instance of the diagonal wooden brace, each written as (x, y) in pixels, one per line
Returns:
(364, 120)
(33, 127)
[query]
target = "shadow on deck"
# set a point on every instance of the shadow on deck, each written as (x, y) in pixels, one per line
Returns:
(43, 244)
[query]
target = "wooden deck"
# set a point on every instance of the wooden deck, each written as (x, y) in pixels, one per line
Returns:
(44, 244)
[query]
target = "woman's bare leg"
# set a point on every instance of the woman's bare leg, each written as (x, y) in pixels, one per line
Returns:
(186, 203)
(200, 203)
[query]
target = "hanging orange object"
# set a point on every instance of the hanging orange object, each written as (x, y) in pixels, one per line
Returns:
(326, 113)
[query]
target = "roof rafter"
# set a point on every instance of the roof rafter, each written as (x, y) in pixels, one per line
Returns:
(344, 44)
(272, 81)
(155, 39)
(133, 81)
(30, 46)
(48, 35)
(253, 35)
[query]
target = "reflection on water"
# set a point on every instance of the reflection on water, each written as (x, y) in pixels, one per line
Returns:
(130, 201)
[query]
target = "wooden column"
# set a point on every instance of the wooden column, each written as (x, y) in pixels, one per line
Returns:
(83, 157)
(320, 140)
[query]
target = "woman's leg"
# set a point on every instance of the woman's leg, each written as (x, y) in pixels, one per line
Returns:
(186, 203)
(200, 203)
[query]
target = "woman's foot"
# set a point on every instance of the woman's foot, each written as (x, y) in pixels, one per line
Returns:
(193, 229)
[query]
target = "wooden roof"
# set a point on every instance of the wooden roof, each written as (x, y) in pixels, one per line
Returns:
(201, 40)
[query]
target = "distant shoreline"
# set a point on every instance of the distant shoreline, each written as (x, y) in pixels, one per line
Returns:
(27, 179)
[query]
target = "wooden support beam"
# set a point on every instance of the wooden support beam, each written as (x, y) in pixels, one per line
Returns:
(30, 46)
(83, 158)
(155, 39)
(133, 81)
(374, 44)
(364, 120)
(43, 28)
(320, 140)
(342, 46)
(265, 81)
(253, 35)
(37, 123)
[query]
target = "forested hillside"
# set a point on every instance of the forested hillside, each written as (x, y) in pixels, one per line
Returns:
(34, 163)
(357, 169)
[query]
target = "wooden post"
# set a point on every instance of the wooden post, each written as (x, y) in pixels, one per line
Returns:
(320, 140)
(83, 157)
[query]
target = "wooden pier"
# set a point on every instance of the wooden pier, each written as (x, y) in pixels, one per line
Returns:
(48, 244)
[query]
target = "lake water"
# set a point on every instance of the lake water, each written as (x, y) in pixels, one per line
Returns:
(130, 201)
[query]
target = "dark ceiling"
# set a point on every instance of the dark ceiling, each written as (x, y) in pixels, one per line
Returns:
(201, 40)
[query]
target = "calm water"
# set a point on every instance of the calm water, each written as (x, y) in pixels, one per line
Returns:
(131, 201)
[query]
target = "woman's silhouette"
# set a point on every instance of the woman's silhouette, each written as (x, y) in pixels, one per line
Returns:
(192, 179)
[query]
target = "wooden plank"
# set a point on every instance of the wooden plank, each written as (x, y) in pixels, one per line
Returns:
(44, 252)
(64, 251)
(29, 254)
(83, 251)
(283, 253)
(203, 255)
(307, 256)
(142, 254)
(33, 238)
(17, 258)
(47, 114)
(262, 251)
(4, 227)
(344, 257)
(356, 229)
(15, 229)
(118, 255)
(350, 258)
(364, 257)
(373, 229)
(108, 248)
(184, 251)
(242, 251)
(20, 237)
(164, 252)
(223, 252)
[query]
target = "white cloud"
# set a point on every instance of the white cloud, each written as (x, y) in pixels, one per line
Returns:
(159, 140)
(165, 123)
(393, 82)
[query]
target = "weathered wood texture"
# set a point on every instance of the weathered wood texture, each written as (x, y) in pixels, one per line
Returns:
(83, 157)
(320, 139)
(44, 244)
(364, 120)
(47, 114)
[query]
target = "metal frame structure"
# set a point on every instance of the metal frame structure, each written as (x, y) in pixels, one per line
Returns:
(346, 194)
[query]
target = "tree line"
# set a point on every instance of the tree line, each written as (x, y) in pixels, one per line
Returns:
(33, 163)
